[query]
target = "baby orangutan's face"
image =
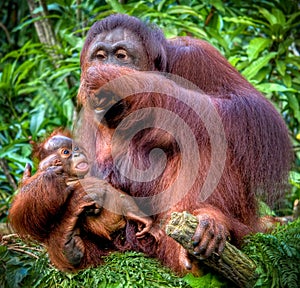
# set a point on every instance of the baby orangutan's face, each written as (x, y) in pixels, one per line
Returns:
(72, 161)
(75, 160)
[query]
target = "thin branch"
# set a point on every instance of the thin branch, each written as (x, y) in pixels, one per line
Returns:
(23, 251)
(210, 15)
(6, 33)
(9, 177)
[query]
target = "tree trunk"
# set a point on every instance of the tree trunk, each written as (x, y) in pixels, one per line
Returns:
(232, 264)
(38, 10)
(42, 26)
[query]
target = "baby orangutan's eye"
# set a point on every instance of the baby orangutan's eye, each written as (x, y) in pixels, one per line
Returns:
(65, 152)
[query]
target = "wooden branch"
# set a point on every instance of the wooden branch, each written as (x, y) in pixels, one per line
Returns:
(14, 243)
(9, 177)
(38, 24)
(296, 209)
(5, 229)
(6, 33)
(209, 16)
(232, 264)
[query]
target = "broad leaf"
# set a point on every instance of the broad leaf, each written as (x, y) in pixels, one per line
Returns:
(37, 120)
(273, 87)
(281, 67)
(269, 16)
(294, 104)
(255, 66)
(256, 46)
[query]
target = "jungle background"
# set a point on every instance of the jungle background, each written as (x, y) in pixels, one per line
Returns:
(40, 46)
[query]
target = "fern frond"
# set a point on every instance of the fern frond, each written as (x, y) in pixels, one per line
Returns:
(277, 256)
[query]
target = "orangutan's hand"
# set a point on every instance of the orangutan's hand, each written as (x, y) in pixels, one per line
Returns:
(210, 236)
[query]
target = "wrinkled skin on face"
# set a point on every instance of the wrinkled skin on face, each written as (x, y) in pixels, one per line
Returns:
(119, 47)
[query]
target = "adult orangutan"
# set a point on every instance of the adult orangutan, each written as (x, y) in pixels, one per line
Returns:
(144, 129)
(65, 234)
(126, 41)
(258, 154)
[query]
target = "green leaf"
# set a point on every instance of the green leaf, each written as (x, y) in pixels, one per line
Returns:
(7, 73)
(218, 4)
(116, 6)
(209, 281)
(64, 71)
(273, 87)
(240, 20)
(264, 209)
(255, 66)
(262, 75)
(292, 17)
(280, 17)
(295, 178)
(68, 109)
(161, 5)
(269, 16)
(37, 120)
(256, 46)
(183, 10)
(234, 60)
(281, 67)
(287, 80)
(219, 38)
(4, 86)
(294, 104)
(23, 70)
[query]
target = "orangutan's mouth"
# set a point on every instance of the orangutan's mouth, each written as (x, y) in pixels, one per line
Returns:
(82, 166)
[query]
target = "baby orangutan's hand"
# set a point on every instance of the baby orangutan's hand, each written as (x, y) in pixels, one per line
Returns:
(146, 226)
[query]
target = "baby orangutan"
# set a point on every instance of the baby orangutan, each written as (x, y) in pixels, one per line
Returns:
(74, 165)
(92, 207)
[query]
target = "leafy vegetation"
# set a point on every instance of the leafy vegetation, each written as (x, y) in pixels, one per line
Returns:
(28, 266)
(39, 78)
(277, 256)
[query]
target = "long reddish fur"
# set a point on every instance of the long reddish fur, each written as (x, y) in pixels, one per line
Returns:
(251, 125)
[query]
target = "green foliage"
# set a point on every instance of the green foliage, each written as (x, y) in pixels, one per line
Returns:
(208, 281)
(277, 256)
(264, 209)
(28, 266)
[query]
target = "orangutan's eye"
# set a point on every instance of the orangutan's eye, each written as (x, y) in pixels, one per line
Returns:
(66, 152)
(101, 55)
(122, 55)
